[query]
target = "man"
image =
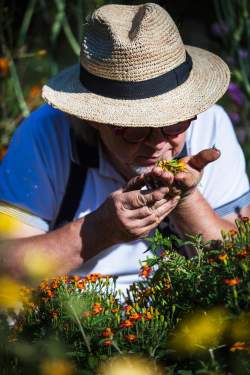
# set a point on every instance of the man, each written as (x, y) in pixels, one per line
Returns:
(145, 97)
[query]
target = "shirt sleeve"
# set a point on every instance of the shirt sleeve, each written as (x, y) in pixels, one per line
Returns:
(225, 183)
(34, 172)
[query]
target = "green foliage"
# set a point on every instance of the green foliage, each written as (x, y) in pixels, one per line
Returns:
(188, 314)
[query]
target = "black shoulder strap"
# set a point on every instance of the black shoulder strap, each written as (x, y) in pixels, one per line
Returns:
(84, 156)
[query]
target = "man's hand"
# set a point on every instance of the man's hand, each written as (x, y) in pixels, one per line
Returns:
(127, 214)
(186, 182)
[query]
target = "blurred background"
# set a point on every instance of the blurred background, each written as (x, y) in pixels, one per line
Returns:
(40, 37)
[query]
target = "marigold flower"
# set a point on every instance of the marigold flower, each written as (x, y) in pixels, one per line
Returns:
(223, 257)
(97, 308)
(93, 277)
(238, 346)
(135, 316)
(131, 338)
(50, 293)
(127, 308)
(4, 65)
(107, 332)
(232, 282)
(232, 232)
(34, 92)
(76, 278)
(172, 166)
(57, 366)
(3, 151)
(126, 324)
(114, 310)
(107, 343)
(242, 253)
(81, 284)
(245, 218)
(148, 315)
(145, 271)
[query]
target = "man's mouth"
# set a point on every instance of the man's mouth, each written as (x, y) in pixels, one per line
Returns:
(144, 160)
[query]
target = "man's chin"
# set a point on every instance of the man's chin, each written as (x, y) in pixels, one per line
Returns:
(141, 169)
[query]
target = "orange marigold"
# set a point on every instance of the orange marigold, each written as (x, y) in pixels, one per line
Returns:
(148, 315)
(232, 282)
(131, 338)
(97, 308)
(232, 232)
(238, 346)
(126, 324)
(242, 253)
(135, 316)
(145, 271)
(127, 308)
(4, 65)
(107, 332)
(3, 152)
(107, 343)
(34, 92)
(223, 257)
(81, 284)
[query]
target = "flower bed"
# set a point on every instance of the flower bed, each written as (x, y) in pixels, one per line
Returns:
(188, 316)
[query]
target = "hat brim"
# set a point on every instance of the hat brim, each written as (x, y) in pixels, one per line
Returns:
(206, 84)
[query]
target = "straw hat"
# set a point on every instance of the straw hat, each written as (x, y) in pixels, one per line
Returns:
(135, 71)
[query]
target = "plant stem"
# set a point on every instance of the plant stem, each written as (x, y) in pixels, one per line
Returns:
(26, 22)
(81, 328)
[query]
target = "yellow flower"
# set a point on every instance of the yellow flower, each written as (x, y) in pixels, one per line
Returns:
(57, 367)
(172, 166)
(10, 293)
(9, 226)
(39, 265)
(129, 364)
(223, 257)
(202, 330)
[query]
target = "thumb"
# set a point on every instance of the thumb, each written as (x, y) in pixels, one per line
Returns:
(204, 157)
(135, 183)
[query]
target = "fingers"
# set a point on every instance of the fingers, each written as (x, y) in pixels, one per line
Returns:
(142, 227)
(203, 158)
(137, 199)
(154, 213)
(157, 178)
(135, 183)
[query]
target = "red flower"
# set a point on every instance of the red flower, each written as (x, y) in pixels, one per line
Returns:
(107, 332)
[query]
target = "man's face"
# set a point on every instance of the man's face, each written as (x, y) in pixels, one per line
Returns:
(132, 157)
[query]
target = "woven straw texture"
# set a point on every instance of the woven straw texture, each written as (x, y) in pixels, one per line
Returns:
(132, 44)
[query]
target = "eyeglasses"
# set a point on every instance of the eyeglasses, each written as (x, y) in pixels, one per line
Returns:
(136, 135)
